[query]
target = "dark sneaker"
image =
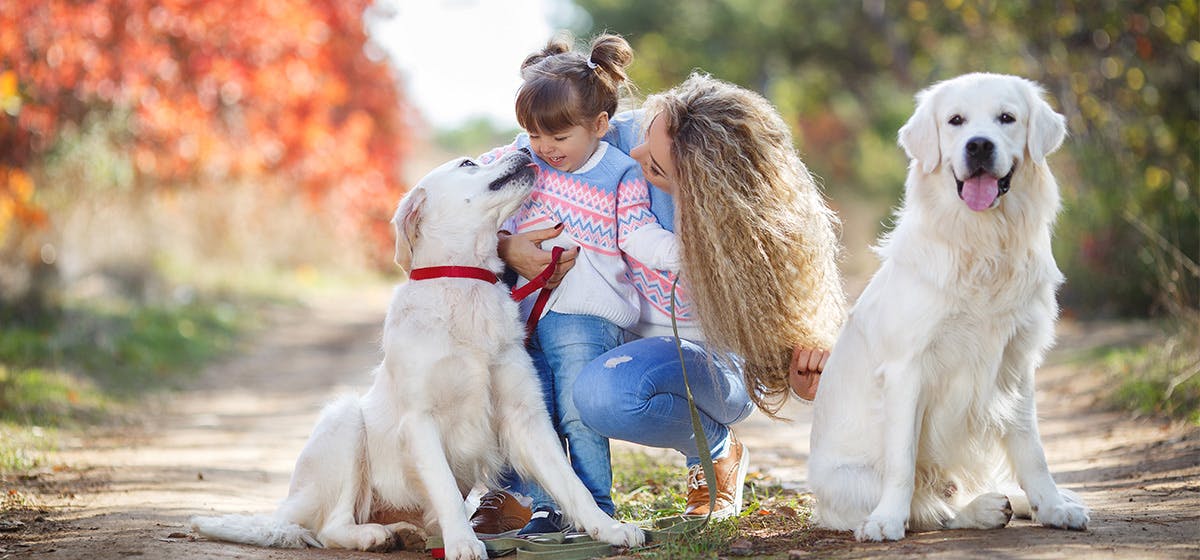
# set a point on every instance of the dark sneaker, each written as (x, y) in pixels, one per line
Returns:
(545, 520)
(731, 477)
(499, 512)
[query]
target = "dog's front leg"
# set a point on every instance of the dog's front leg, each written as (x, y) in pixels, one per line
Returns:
(442, 490)
(1023, 443)
(902, 391)
(534, 450)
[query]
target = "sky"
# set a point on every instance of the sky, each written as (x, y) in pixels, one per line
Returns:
(460, 59)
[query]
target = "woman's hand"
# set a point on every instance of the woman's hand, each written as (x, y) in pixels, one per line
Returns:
(804, 373)
(523, 253)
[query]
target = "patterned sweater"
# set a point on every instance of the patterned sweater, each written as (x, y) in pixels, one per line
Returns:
(653, 284)
(605, 210)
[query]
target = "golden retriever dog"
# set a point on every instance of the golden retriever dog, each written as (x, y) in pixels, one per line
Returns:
(926, 406)
(455, 398)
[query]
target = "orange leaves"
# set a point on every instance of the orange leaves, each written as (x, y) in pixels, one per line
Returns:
(215, 90)
(16, 201)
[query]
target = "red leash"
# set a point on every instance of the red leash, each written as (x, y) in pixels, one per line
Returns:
(518, 294)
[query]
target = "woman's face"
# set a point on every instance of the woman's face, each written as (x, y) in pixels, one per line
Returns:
(654, 155)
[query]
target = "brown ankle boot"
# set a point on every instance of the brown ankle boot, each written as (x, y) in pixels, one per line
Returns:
(499, 512)
(730, 471)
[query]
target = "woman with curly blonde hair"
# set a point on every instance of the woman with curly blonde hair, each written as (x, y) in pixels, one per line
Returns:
(759, 300)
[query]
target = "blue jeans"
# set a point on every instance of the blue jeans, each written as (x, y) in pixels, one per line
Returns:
(563, 345)
(635, 392)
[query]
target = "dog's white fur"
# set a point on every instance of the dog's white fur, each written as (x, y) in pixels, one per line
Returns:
(926, 405)
(455, 398)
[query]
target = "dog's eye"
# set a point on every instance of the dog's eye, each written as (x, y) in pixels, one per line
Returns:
(467, 163)
(1007, 118)
(956, 120)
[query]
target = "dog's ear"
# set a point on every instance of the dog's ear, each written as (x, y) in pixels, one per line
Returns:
(1047, 129)
(919, 136)
(408, 216)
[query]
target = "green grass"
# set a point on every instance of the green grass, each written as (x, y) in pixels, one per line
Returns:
(1159, 378)
(647, 488)
(93, 361)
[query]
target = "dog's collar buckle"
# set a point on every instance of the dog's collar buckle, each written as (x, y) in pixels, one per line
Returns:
(469, 272)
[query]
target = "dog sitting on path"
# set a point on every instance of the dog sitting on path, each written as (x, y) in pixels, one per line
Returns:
(454, 400)
(926, 405)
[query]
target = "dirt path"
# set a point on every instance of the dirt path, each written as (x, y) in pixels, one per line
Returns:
(228, 445)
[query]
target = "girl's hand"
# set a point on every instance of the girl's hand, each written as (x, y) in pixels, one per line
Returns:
(523, 253)
(804, 373)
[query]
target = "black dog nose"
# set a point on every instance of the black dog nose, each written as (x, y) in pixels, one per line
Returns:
(980, 147)
(525, 151)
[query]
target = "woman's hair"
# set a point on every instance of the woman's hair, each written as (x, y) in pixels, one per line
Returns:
(563, 88)
(760, 247)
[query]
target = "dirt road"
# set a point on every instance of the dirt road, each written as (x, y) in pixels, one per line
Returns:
(227, 445)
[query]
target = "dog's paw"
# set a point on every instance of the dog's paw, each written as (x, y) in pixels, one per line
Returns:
(618, 534)
(1064, 515)
(986, 511)
(468, 548)
(372, 537)
(880, 529)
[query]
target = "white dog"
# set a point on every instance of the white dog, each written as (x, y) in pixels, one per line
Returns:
(926, 404)
(455, 398)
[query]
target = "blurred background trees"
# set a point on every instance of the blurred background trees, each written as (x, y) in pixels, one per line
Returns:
(1126, 74)
(126, 121)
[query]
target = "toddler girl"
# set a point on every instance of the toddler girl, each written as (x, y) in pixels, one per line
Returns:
(596, 194)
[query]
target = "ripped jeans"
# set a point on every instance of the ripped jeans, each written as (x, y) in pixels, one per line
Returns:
(635, 392)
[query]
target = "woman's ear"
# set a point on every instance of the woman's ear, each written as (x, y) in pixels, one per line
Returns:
(1047, 129)
(919, 136)
(405, 222)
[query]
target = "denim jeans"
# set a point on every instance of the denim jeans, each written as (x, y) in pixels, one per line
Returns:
(564, 344)
(635, 392)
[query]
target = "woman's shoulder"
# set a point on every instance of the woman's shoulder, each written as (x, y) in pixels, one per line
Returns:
(625, 130)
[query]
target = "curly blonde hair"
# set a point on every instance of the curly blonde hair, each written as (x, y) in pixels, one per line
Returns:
(760, 246)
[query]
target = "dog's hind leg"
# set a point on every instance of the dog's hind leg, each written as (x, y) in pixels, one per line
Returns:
(987, 511)
(329, 487)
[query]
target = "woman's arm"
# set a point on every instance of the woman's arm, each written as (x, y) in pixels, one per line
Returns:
(805, 371)
(523, 253)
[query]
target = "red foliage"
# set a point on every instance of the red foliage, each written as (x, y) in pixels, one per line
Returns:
(216, 89)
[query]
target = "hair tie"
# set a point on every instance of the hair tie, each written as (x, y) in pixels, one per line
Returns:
(591, 64)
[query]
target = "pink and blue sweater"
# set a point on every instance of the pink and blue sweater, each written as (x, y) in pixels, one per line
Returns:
(605, 210)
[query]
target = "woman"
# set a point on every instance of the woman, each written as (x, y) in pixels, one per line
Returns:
(760, 296)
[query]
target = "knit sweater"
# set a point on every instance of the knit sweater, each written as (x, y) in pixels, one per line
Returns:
(653, 284)
(604, 207)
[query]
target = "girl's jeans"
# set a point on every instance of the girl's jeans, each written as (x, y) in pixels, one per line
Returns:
(564, 345)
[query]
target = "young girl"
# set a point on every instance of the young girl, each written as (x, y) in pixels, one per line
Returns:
(598, 198)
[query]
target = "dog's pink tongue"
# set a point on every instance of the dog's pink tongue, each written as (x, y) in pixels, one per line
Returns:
(980, 191)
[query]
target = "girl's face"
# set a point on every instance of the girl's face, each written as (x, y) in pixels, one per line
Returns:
(567, 150)
(655, 156)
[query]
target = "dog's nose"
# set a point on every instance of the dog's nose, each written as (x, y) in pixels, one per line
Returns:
(980, 152)
(980, 147)
(525, 151)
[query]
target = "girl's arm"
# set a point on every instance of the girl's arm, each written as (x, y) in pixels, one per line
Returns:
(639, 234)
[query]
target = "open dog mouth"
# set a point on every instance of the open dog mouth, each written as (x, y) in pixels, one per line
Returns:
(523, 170)
(982, 190)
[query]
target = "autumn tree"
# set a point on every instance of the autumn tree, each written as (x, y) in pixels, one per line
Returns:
(209, 91)
(1125, 74)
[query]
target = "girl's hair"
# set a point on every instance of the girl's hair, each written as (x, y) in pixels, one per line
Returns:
(564, 88)
(760, 246)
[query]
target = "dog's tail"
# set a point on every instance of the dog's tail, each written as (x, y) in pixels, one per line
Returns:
(260, 530)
